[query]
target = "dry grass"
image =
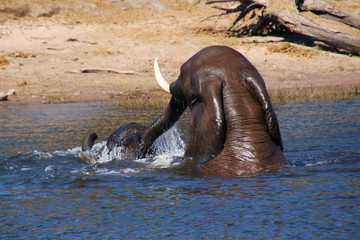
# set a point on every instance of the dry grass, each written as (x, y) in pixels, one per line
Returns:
(153, 103)
(292, 50)
(140, 100)
(4, 61)
(153, 99)
(20, 54)
(314, 94)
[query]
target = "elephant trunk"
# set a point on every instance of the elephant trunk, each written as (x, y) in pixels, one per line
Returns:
(88, 141)
(168, 118)
(163, 123)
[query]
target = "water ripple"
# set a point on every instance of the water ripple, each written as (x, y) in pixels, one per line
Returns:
(48, 190)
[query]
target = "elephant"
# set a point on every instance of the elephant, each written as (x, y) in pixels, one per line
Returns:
(89, 141)
(233, 127)
(127, 137)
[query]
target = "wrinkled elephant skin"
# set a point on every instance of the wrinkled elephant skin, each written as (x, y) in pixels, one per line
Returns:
(233, 127)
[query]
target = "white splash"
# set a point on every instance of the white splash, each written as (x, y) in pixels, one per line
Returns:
(167, 147)
(322, 163)
(100, 154)
(25, 169)
(164, 160)
(41, 155)
(170, 142)
(316, 163)
(49, 168)
(72, 151)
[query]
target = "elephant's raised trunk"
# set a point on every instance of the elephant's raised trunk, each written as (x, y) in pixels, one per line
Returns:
(166, 120)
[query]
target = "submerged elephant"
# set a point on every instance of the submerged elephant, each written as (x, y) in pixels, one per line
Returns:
(233, 127)
(127, 137)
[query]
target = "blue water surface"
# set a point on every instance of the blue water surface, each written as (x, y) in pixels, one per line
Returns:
(48, 191)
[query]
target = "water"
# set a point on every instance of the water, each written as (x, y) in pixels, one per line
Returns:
(48, 191)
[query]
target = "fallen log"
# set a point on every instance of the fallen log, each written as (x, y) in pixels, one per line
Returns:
(261, 17)
(325, 9)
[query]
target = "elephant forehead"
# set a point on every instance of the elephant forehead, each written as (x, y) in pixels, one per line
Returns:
(205, 75)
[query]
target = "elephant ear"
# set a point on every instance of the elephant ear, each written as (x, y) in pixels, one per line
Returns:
(257, 85)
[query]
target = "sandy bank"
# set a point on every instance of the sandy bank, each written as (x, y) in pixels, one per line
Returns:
(42, 56)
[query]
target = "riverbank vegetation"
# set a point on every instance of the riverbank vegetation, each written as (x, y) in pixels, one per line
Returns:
(140, 100)
(314, 94)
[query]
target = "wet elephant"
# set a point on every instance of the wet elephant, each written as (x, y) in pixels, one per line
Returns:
(127, 137)
(233, 127)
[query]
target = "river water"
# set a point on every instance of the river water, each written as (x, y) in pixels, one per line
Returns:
(48, 190)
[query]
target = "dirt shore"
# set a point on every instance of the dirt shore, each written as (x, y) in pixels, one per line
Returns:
(71, 51)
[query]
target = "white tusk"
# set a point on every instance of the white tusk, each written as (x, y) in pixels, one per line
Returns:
(159, 78)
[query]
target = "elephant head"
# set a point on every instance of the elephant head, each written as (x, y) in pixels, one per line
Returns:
(233, 127)
(127, 137)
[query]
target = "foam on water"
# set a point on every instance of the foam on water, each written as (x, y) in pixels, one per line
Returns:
(168, 149)
(167, 146)
(41, 155)
(73, 162)
(170, 142)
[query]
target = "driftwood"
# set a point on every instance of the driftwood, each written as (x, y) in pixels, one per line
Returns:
(325, 9)
(98, 70)
(261, 17)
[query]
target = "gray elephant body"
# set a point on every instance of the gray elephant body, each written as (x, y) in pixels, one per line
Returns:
(233, 128)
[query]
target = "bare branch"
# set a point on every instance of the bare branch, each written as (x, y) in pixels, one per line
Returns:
(284, 14)
(349, 17)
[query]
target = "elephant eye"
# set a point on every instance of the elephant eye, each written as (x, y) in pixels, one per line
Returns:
(194, 100)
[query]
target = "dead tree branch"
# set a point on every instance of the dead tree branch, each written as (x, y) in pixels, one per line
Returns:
(325, 9)
(264, 16)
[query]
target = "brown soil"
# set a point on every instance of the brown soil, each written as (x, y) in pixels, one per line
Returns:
(45, 45)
